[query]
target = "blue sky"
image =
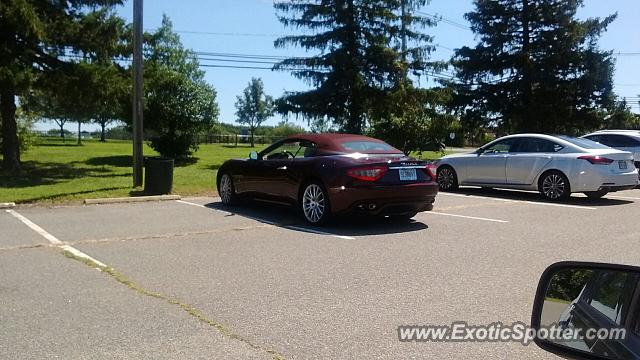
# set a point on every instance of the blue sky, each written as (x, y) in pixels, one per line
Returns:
(250, 26)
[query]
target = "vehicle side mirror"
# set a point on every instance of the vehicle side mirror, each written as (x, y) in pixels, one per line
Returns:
(253, 155)
(588, 311)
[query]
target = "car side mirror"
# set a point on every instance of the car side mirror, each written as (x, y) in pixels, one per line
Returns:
(588, 311)
(253, 155)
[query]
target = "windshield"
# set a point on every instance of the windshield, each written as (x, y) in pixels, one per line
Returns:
(583, 143)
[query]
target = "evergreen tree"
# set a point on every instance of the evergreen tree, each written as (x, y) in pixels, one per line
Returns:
(366, 49)
(536, 67)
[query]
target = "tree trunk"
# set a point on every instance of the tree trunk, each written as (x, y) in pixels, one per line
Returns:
(252, 131)
(79, 133)
(10, 143)
(103, 134)
(62, 130)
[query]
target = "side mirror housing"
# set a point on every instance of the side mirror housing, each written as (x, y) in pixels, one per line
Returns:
(588, 311)
(253, 155)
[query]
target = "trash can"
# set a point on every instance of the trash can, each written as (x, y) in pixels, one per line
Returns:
(158, 175)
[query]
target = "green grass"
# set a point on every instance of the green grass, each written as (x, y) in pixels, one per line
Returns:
(57, 171)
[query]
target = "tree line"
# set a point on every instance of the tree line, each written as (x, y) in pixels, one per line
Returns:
(535, 67)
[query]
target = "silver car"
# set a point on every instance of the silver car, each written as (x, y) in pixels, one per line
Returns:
(556, 166)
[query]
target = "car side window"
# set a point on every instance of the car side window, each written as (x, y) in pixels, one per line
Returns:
(291, 150)
(608, 298)
(501, 147)
(533, 145)
(596, 138)
(286, 150)
(307, 149)
(619, 141)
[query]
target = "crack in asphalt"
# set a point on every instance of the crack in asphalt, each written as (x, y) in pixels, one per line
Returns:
(189, 309)
(167, 236)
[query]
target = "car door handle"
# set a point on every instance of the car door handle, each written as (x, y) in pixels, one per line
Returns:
(282, 168)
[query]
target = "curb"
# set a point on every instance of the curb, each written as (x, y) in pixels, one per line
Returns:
(131, 199)
(7, 205)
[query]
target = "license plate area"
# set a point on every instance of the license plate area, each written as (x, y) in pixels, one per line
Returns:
(407, 174)
(622, 164)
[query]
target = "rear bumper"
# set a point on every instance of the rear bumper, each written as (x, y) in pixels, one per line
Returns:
(613, 188)
(383, 200)
(596, 179)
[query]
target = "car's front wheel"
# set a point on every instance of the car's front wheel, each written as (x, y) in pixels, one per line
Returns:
(596, 194)
(226, 190)
(314, 203)
(554, 185)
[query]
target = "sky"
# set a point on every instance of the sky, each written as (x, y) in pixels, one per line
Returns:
(250, 27)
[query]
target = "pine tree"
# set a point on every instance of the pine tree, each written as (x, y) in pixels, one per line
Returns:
(536, 67)
(366, 49)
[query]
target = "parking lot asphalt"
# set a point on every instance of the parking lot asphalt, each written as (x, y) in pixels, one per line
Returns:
(192, 279)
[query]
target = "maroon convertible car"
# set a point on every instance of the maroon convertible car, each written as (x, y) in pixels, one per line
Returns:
(332, 174)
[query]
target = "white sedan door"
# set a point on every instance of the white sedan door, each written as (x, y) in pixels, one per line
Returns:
(528, 158)
(489, 166)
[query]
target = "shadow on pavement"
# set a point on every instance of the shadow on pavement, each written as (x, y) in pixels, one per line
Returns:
(287, 216)
(536, 197)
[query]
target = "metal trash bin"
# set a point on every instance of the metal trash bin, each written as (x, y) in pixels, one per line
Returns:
(158, 175)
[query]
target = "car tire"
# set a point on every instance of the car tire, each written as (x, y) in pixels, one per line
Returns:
(447, 178)
(227, 190)
(314, 203)
(554, 186)
(596, 194)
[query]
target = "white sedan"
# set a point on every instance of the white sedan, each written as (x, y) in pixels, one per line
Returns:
(556, 166)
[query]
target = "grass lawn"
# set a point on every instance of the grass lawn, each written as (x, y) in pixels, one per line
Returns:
(57, 171)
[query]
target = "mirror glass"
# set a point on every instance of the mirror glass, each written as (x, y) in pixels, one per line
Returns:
(253, 155)
(595, 310)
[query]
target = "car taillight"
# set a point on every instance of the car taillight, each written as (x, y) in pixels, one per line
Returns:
(430, 170)
(596, 160)
(371, 173)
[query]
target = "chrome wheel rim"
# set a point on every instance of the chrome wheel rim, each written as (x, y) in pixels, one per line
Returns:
(445, 179)
(226, 189)
(313, 203)
(554, 186)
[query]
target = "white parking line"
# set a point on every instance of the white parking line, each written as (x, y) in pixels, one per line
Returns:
(313, 231)
(292, 227)
(465, 217)
(521, 201)
(52, 239)
(202, 206)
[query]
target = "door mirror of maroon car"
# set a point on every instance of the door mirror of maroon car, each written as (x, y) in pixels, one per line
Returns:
(588, 311)
(253, 155)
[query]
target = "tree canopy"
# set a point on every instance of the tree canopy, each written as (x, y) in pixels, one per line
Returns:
(254, 107)
(536, 67)
(37, 37)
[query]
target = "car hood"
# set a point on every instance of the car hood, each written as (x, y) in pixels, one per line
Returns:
(459, 155)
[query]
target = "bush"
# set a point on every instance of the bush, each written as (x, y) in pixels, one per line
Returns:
(174, 146)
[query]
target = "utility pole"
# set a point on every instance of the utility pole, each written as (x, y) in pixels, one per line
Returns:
(403, 28)
(137, 94)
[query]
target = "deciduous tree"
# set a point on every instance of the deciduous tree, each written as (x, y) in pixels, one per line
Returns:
(254, 107)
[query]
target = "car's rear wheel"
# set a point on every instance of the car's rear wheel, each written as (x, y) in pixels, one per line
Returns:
(596, 194)
(447, 178)
(226, 190)
(314, 203)
(554, 185)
